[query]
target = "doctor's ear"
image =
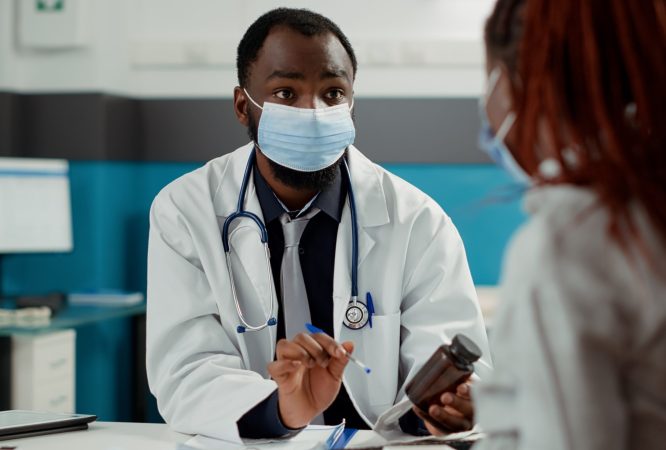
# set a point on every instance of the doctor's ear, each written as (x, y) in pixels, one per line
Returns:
(241, 106)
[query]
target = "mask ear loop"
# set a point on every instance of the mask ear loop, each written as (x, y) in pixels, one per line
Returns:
(258, 106)
(504, 129)
(491, 84)
(510, 118)
(252, 100)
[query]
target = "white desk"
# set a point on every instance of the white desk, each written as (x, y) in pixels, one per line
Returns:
(105, 436)
(123, 436)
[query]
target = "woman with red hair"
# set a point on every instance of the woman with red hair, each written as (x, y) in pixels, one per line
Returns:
(576, 110)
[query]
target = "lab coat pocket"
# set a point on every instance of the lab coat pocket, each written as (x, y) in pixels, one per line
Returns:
(382, 353)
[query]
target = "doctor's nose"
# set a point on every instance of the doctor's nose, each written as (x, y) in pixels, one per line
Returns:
(311, 102)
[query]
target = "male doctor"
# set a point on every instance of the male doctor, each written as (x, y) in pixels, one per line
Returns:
(216, 373)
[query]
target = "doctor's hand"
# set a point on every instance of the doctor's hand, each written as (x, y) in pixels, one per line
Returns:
(308, 371)
(456, 411)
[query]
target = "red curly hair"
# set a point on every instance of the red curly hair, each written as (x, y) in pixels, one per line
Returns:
(595, 72)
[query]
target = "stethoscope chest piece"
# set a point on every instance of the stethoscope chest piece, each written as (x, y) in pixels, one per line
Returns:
(356, 315)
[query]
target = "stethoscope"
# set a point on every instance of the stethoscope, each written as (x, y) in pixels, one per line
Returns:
(356, 315)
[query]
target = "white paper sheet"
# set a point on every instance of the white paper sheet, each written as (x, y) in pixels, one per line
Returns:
(312, 438)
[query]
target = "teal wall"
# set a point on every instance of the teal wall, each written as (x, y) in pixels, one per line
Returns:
(110, 203)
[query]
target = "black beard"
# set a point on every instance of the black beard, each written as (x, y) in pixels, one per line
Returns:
(311, 181)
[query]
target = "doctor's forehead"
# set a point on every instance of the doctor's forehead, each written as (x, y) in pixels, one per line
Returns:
(286, 53)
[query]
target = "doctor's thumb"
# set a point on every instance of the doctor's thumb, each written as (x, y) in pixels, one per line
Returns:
(348, 346)
(337, 364)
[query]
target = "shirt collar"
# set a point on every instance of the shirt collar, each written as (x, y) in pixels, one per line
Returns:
(329, 200)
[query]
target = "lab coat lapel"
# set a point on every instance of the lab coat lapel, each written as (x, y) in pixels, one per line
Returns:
(254, 286)
(342, 271)
(371, 211)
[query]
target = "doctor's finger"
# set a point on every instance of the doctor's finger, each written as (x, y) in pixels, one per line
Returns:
(329, 344)
(458, 404)
(291, 351)
(316, 351)
(465, 390)
(282, 370)
(452, 421)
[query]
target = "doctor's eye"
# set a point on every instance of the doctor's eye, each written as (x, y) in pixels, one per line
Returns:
(284, 94)
(335, 94)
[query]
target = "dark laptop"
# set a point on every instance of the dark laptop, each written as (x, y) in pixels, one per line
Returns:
(16, 424)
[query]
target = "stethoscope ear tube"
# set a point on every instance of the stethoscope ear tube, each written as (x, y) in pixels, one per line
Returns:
(238, 214)
(239, 209)
(358, 314)
(354, 225)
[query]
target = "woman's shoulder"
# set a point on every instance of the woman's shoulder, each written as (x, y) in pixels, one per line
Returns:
(567, 246)
(565, 223)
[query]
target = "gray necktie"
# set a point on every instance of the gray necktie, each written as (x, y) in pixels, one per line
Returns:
(296, 310)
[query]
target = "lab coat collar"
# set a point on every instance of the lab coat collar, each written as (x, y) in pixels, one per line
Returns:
(229, 182)
(368, 190)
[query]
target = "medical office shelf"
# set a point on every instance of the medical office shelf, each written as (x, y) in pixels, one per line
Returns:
(76, 316)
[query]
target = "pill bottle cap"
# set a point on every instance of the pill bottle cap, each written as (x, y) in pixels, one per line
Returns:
(465, 349)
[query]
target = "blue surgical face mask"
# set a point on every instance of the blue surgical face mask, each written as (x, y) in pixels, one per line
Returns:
(493, 143)
(302, 139)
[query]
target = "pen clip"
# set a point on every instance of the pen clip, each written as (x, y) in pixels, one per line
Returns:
(371, 307)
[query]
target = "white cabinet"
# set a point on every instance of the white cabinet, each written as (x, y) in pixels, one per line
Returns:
(43, 375)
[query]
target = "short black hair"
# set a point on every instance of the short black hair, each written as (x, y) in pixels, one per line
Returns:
(304, 21)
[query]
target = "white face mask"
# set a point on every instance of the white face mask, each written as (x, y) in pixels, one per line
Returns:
(303, 139)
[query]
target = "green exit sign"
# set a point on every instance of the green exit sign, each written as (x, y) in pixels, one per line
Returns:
(50, 5)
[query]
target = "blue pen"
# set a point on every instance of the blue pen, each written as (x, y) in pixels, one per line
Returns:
(371, 308)
(314, 330)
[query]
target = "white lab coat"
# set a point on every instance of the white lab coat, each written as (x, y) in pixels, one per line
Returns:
(206, 376)
(579, 341)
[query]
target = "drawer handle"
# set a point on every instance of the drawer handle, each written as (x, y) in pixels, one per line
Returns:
(58, 363)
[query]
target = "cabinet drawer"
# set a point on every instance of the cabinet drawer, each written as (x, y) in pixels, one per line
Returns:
(43, 357)
(53, 361)
(56, 396)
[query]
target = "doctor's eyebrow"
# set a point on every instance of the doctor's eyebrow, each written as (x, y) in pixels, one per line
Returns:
(286, 74)
(335, 73)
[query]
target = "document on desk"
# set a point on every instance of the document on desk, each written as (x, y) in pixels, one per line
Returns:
(406, 441)
(314, 437)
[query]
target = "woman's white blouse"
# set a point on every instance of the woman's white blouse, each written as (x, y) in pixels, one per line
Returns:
(579, 341)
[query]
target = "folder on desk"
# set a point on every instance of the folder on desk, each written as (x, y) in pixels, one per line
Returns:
(313, 437)
(16, 424)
